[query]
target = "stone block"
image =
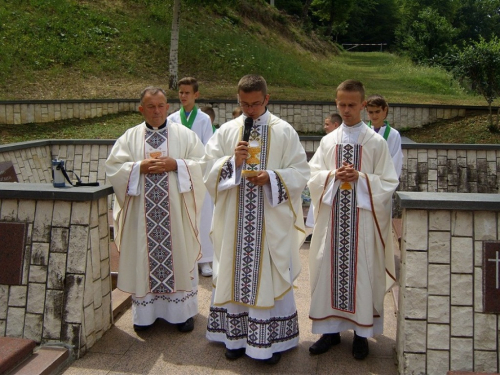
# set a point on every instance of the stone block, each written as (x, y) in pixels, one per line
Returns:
(96, 253)
(33, 324)
(59, 240)
(478, 289)
(71, 334)
(106, 286)
(26, 210)
(104, 248)
(415, 336)
(485, 338)
(15, 321)
(461, 290)
(57, 271)
(4, 301)
(415, 300)
(438, 336)
(88, 296)
(416, 269)
(462, 321)
(38, 274)
(43, 221)
(439, 220)
(462, 255)
(485, 362)
(478, 253)
(106, 312)
(439, 309)
(439, 247)
(89, 320)
(78, 245)
(74, 290)
(462, 223)
(18, 295)
(8, 210)
(80, 213)
(438, 362)
(413, 364)
(40, 253)
(414, 238)
(485, 225)
(36, 298)
(53, 314)
(461, 354)
(62, 214)
(97, 287)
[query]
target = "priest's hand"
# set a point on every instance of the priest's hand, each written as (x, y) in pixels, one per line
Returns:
(240, 153)
(261, 179)
(346, 173)
(158, 165)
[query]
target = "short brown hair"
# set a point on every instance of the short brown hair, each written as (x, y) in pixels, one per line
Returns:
(377, 100)
(252, 83)
(335, 117)
(152, 90)
(190, 81)
(352, 85)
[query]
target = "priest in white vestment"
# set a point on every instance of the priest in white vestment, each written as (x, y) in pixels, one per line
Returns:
(193, 118)
(351, 254)
(156, 172)
(257, 229)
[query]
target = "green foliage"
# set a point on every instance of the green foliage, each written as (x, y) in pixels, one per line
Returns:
(429, 36)
(479, 64)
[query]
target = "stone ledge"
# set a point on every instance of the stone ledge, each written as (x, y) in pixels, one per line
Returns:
(9, 190)
(448, 201)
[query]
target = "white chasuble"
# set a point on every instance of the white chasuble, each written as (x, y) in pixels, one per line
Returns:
(257, 232)
(351, 255)
(156, 216)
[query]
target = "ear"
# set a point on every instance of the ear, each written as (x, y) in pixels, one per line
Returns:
(141, 109)
(196, 95)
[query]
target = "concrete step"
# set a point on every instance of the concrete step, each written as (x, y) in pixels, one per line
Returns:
(14, 351)
(46, 360)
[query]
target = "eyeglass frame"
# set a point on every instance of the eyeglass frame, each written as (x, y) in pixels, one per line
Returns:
(253, 105)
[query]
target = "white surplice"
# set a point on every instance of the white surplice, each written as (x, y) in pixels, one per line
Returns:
(351, 254)
(156, 220)
(202, 126)
(257, 233)
(394, 144)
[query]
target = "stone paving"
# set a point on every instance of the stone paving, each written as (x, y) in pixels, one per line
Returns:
(163, 350)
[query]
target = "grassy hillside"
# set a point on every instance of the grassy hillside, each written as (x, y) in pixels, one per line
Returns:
(69, 49)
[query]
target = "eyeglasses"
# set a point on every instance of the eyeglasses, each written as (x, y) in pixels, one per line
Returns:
(250, 106)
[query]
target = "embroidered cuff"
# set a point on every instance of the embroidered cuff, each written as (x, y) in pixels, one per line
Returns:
(230, 176)
(275, 190)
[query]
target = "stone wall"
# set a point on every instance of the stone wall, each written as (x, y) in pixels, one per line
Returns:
(304, 116)
(441, 322)
(65, 292)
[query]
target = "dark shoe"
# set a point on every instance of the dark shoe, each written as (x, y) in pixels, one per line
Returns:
(138, 328)
(235, 353)
(324, 343)
(187, 326)
(308, 238)
(273, 360)
(360, 347)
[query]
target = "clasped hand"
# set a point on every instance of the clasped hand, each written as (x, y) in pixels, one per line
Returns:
(346, 173)
(158, 165)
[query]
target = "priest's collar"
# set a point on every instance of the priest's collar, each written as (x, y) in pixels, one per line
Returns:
(152, 128)
(262, 119)
(346, 127)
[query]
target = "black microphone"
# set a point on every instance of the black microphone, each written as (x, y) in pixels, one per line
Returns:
(248, 128)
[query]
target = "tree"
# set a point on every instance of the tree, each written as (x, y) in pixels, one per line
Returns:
(174, 47)
(430, 35)
(479, 64)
